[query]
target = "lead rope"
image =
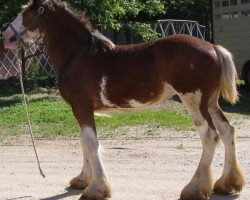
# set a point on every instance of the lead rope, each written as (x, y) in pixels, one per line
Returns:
(27, 116)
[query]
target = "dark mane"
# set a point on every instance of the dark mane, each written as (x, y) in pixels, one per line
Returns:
(100, 43)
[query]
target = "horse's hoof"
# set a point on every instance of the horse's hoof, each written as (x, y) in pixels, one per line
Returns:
(77, 183)
(92, 192)
(230, 184)
(191, 192)
(225, 187)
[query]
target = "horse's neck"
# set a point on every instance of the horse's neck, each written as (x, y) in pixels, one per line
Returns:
(62, 45)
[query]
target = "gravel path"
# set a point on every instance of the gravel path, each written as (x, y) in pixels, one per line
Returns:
(137, 169)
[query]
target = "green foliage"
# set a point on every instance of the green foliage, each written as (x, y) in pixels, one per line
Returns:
(33, 72)
(154, 7)
(198, 10)
(35, 78)
(9, 86)
(144, 31)
(110, 13)
(105, 13)
(34, 81)
(8, 12)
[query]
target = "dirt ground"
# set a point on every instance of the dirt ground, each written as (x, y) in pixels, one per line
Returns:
(155, 169)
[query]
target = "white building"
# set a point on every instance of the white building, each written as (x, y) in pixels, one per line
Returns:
(232, 30)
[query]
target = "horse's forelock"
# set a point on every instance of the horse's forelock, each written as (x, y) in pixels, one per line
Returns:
(34, 3)
(31, 3)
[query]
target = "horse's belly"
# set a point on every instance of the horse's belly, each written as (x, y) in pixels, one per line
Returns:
(135, 104)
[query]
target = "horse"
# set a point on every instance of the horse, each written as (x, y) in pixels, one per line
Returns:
(97, 76)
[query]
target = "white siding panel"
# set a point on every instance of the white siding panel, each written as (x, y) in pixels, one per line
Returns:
(234, 34)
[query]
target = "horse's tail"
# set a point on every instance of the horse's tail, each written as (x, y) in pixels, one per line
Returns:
(228, 78)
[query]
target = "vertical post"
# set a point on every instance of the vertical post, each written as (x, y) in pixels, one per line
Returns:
(23, 61)
(212, 22)
(1, 47)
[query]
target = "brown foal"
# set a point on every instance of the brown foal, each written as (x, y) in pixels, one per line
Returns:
(96, 75)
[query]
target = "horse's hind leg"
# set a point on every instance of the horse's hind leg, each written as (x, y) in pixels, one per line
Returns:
(232, 178)
(201, 185)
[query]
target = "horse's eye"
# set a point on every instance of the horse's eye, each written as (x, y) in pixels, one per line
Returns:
(24, 13)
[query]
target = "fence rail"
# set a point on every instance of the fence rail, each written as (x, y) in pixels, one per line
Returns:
(171, 27)
(9, 62)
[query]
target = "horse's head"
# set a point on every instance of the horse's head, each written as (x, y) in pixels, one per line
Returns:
(26, 26)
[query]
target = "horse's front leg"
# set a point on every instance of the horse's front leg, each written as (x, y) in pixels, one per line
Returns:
(83, 179)
(93, 176)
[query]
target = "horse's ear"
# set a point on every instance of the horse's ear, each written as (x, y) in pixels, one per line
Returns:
(39, 2)
(36, 2)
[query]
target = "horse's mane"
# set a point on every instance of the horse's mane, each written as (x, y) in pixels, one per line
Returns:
(100, 43)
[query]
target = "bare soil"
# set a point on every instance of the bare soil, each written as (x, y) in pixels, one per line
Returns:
(155, 169)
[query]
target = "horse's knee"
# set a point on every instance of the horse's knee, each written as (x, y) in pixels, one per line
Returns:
(88, 138)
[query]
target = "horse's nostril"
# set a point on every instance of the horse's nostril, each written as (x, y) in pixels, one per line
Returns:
(13, 38)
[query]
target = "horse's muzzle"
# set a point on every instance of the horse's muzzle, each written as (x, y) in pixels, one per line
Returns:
(10, 40)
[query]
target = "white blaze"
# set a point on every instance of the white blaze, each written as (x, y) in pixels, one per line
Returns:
(18, 26)
(18, 23)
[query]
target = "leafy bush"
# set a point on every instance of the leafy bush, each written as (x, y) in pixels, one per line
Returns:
(34, 80)
(35, 77)
(144, 31)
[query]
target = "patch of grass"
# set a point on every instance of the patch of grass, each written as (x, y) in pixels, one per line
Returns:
(51, 117)
(169, 118)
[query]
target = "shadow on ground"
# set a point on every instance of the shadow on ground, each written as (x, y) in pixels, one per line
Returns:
(230, 197)
(18, 99)
(243, 106)
(69, 192)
